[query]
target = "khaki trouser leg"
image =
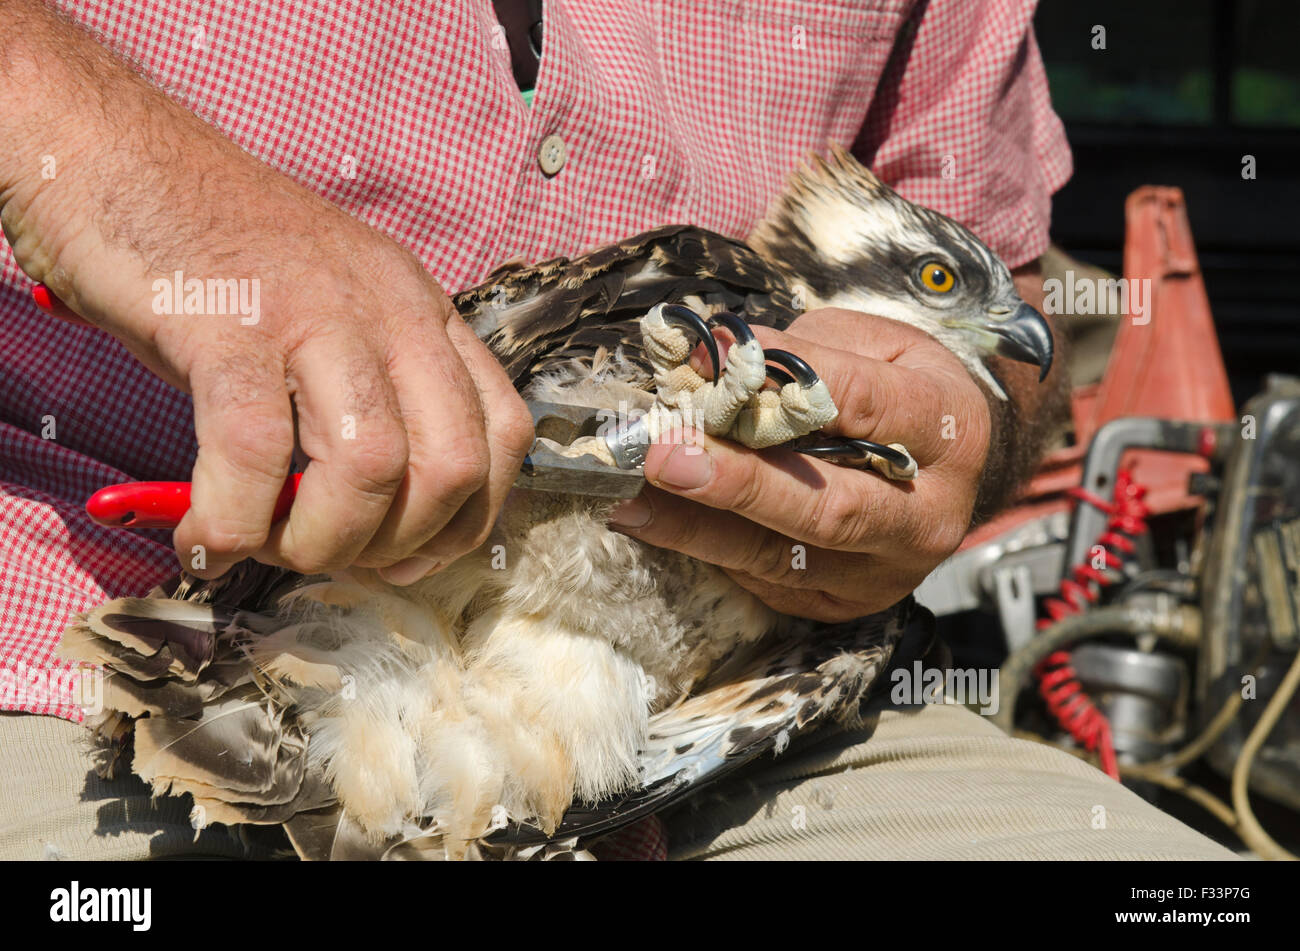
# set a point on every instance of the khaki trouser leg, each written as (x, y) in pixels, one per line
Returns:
(934, 783)
(54, 806)
(938, 782)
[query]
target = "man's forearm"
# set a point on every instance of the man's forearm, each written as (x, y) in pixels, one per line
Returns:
(58, 86)
(106, 184)
(66, 106)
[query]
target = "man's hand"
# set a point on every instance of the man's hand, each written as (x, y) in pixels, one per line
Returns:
(413, 430)
(810, 538)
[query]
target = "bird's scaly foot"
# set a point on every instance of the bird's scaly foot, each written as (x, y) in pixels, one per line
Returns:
(735, 404)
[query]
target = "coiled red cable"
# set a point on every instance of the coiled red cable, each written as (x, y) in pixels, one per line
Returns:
(1058, 684)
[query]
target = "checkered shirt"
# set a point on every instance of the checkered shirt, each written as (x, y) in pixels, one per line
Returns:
(406, 114)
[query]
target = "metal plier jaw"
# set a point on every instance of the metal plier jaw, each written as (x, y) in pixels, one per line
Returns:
(545, 470)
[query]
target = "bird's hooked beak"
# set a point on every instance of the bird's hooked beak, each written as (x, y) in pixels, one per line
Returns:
(1023, 336)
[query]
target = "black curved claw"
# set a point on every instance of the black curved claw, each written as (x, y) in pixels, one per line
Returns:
(799, 371)
(779, 375)
(685, 319)
(856, 452)
(739, 329)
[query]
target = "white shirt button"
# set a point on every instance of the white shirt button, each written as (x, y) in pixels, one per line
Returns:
(552, 154)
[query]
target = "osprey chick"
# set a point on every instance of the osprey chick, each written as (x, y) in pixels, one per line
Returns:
(562, 668)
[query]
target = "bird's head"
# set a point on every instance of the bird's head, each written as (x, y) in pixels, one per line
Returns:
(852, 241)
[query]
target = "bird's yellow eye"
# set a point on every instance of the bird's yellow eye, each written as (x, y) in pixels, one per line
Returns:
(937, 278)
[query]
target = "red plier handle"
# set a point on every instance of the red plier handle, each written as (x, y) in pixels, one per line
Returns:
(162, 504)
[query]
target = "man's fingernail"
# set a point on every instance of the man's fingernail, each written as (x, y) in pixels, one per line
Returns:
(687, 467)
(634, 513)
(409, 571)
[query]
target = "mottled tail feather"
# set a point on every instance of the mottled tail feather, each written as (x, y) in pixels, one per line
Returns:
(180, 689)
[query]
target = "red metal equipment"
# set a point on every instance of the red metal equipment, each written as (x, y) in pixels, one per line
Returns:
(1170, 367)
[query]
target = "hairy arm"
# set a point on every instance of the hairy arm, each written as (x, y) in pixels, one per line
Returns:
(354, 346)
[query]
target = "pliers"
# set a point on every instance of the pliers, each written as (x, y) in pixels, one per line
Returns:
(164, 504)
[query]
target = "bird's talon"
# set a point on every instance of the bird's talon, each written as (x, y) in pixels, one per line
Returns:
(688, 321)
(798, 370)
(735, 403)
(892, 461)
(739, 329)
(779, 376)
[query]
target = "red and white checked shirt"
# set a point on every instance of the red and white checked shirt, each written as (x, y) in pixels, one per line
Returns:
(406, 114)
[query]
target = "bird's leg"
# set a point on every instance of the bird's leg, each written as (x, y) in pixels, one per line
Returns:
(892, 461)
(737, 405)
(734, 404)
(800, 406)
(711, 405)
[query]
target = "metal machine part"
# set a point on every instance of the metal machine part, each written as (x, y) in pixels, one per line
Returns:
(1250, 585)
(1011, 571)
(1107, 448)
(1143, 694)
(970, 579)
(1277, 555)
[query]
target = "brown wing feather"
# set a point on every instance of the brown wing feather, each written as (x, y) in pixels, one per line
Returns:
(540, 316)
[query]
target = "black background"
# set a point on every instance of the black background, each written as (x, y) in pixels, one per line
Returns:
(1182, 91)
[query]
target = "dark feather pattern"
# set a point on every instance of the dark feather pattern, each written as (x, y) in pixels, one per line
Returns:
(219, 738)
(565, 308)
(237, 744)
